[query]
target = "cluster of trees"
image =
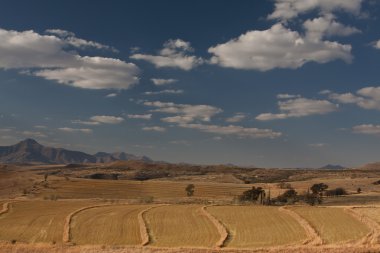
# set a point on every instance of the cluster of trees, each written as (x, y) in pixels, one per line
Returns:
(313, 196)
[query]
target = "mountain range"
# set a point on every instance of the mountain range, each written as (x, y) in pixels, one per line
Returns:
(30, 151)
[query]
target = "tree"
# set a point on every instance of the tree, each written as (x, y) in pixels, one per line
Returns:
(289, 196)
(359, 190)
(253, 195)
(318, 189)
(190, 190)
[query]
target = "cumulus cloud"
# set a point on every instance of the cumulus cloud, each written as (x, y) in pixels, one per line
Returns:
(376, 44)
(288, 9)
(160, 81)
(75, 130)
(185, 113)
(236, 118)
(47, 56)
(107, 119)
(369, 129)
(299, 107)
(154, 129)
(366, 98)
(174, 54)
(232, 130)
(277, 47)
(164, 92)
(139, 116)
(326, 26)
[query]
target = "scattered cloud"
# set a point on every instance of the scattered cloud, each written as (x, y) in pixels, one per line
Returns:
(107, 119)
(48, 56)
(111, 95)
(241, 132)
(299, 107)
(75, 130)
(185, 113)
(366, 98)
(154, 129)
(174, 54)
(287, 96)
(34, 134)
(318, 145)
(236, 118)
(376, 44)
(289, 9)
(164, 92)
(160, 82)
(40, 127)
(277, 47)
(139, 116)
(369, 129)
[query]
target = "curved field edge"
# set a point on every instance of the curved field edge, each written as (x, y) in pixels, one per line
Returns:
(242, 237)
(144, 229)
(224, 234)
(373, 237)
(5, 208)
(313, 238)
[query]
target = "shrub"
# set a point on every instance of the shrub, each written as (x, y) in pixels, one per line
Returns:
(336, 192)
(289, 196)
(190, 190)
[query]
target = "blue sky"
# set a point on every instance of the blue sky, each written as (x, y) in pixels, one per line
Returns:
(280, 83)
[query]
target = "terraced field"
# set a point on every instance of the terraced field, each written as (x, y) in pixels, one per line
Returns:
(371, 212)
(37, 221)
(180, 226)
(257, 226)
(111, 225)
(127, 189)
(334, 225)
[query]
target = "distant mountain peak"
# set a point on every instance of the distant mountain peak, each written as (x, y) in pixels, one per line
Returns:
(333, 167)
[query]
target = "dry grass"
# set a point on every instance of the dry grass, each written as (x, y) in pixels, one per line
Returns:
(107, 225)
(37, 221)
(257, 226)
(333, 225)
(180, 226)
(372, 212)
(127, 189)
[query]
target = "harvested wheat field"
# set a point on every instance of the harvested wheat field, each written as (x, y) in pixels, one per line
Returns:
(37, 221)
(108, 225)
(371, 212)
(180, 226)
(333, 225)
(257, 226)
(128, 189)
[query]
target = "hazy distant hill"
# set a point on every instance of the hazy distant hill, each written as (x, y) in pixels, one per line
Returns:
(332, 167)
(30, 151)
(370, 166)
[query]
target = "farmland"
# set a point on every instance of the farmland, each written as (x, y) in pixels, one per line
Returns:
(257, 226)
(181, 225)
(108, 225)
(334, 225)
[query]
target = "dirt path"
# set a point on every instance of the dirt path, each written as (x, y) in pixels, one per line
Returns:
(373, 237)
(146, 237)
(224, 234)
(313, 238)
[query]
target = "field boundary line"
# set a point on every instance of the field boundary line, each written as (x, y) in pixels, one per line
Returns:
(222, 229)
(373, 237)
(146, 238)
(67, 224)
(313, 237)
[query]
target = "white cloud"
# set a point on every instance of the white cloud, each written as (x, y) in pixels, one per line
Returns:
(277, 47)
(236, 118)
(164, 92)
(185, 113)
(72, 40)
(376, 44)
(173, 55)
(232, 130)
(299, 107)
(139, 116)
(84, 122)
(111, 95)
(34, 134)
(318, 145)
(154, 129)
(369, 129)
(47, 56)
(287, 96)
(288, 9)
(107, 119)
(326, 26)
(75, 130)
(160, 81)
(366, 98)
